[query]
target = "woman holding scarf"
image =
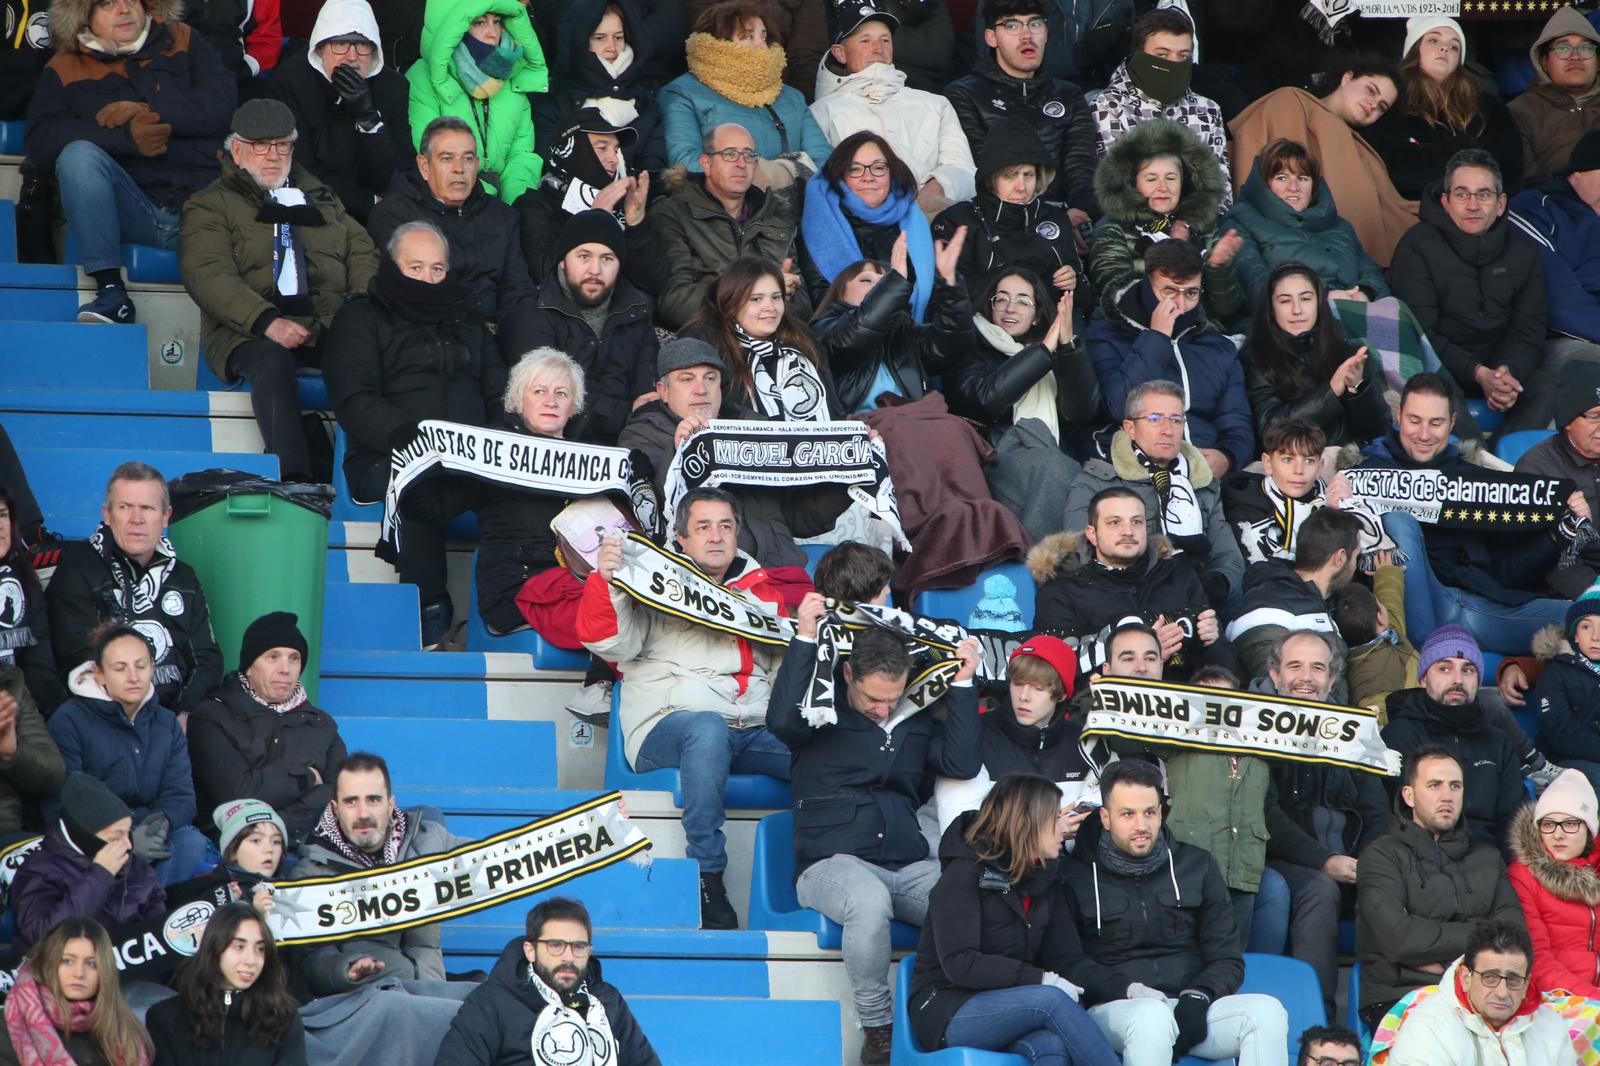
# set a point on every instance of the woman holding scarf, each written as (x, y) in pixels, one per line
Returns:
(67, 1005)
(479, 58)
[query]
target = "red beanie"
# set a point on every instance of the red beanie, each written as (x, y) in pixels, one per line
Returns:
(1054, 651)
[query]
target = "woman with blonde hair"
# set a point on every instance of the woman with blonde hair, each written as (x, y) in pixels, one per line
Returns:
(67, 1005)
(1000, 951)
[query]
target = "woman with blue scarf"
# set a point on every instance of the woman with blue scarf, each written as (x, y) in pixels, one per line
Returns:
(856, 207)
(479, 59)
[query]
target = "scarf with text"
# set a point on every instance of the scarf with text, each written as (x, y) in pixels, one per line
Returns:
(786, 455)
(1273, 537)
(1226, 722)
(1465, 497)
(572, 1030)
(331, 834)
(786, 384)
(545, 465)
(14, 631)
(674, 585)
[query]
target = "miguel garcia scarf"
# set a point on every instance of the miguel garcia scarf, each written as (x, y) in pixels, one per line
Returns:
(748, 76)
(329, 833)
(1040, 400)
(1274, 537)
(572, 1030)
(787, 385)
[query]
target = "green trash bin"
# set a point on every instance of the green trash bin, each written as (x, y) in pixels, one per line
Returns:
(258, 546)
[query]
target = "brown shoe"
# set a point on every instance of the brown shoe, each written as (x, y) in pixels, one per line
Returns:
(875, 1047)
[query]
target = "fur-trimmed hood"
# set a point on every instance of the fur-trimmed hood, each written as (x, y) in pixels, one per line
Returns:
(1128, 467)
(1551, 642)
(1205, 186)
(68, 18)
(1061, 552)
(1577, 881)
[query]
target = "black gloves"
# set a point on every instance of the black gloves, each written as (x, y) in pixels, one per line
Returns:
(1191, 1017)
(354, 92)
(403, 435)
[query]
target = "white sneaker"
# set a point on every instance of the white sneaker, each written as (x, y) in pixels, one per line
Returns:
(592, 704)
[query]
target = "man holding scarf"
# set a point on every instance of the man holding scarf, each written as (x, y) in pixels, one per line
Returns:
(269, 254)
(129, 572)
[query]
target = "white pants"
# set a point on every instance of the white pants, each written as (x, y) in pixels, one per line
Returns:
(1254, 1029)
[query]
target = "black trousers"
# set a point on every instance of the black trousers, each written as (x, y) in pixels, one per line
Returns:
(271, 370)
(428, 507)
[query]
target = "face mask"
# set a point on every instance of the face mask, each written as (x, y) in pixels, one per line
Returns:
(1163, 80)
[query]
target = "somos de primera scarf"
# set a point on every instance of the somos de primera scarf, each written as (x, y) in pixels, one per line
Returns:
(750, 77)
(832, 243)
(786, 384)
(571, 1030)
(483, 68)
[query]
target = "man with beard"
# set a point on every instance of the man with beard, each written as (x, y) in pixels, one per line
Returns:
(586, 309)
(1446, 711)
(542, 993)
(363, 829)
(1319, 817)
(269, 255)
(1422, 886)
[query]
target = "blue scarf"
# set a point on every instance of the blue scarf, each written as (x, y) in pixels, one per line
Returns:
(832, 243)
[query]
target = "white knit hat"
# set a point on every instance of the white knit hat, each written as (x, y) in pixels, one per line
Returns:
(1572, 794)
(1418, 26)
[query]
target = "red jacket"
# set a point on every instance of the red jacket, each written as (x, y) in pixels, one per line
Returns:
(1561, 904)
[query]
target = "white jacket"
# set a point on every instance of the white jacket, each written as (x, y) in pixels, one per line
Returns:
(921, 127)
(1444, 1031)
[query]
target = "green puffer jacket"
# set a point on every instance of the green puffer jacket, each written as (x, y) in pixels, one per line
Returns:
(503, 124)
(225, 255)
(1116, 252)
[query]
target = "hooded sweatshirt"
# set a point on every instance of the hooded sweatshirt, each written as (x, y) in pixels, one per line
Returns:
(1553, 120)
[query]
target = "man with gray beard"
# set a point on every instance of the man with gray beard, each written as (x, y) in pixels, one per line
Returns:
(269, 254)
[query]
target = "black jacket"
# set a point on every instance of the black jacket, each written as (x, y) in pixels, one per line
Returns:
(618, 366)
(1568, 695)
(1415, 151)
(541, 218)
(879, 332)
(27, 633)
(856, 786)
(874, 241)
(1051, 750)
(1053, 109)
(83, 593)
(494, 1026)
(514, 543)
(1277, 600)
(239, 747)
(985, 386)
(1490, 763)
(387, 370)
(1480, 299)
(1297, 789)
(1352, 418)
(168, 1023)
(1172, 929)
(358, 167)
(977, 937)
(484, 235)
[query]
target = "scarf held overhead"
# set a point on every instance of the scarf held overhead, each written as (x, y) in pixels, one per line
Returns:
(1239, 723)
(832, 243)
(786, 455)
(673, 585)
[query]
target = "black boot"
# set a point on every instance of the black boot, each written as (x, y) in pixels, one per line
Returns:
(36, 215)
(715, 910)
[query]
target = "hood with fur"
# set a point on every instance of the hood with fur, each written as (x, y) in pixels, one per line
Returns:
(1564, 22)
(1551, 642)
(1577, 881)
(68, 18)
(1061, 552)
(1205, 186)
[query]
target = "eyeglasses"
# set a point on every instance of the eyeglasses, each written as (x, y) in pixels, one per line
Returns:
(1035, 26)
(342, 48)
(264, 148)
(580, 948)
(1591, 416)
(1463, 196)
(1000, 300)
(1157, 421)
(877, 170)
(1567, 51)
(1329, 1060)
(1566, 825)
(1516, 982)
(1172, 292)
(737, 155)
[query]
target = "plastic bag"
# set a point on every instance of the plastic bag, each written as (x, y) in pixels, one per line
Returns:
(201, 489)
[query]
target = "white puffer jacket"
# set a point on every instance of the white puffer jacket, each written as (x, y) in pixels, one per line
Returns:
(921, 127)
(1444, 1031)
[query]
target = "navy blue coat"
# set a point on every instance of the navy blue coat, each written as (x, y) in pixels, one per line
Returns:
(1567, 231)
(145, 761)
(1569, 709)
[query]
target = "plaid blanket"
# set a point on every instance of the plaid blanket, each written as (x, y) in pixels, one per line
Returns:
(1391, 332)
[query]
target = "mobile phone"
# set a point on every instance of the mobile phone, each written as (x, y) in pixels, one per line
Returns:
(1084, 807)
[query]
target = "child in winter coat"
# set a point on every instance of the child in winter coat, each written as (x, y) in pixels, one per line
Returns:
(1373, 624)
(1568, 691)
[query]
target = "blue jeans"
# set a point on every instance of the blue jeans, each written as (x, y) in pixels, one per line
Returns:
(1269, 930)
(105, 207)
(705, 749)
(1038, 1022)
(192, 855)
(1499, 627)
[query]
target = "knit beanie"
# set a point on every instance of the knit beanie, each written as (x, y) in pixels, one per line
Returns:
(1577, 389)
(1417, 28)
(1571, 794)
(88, 806)
(237, 817)
(998, 609)
(1055, 651)
(1449, 642)
(280, 629)
(1585, 155)
(1583, 607)
(591, 227)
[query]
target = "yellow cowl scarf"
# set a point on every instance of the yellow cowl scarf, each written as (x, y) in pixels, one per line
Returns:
(748, 76)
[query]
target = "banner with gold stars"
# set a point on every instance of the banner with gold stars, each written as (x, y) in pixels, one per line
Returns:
(1472, 498)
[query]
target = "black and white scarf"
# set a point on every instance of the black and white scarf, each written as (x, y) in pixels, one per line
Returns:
(329, 833)
(1177, 504)
(674, 585)
(14, 631)
(1273, 537)
(1467, 497)
(786, 455)
(136, 593)
(786, 385)
(296, 698)
(572, 1030)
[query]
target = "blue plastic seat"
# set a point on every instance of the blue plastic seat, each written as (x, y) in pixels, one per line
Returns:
(461, 766)
(958, 604)
(773, 905)
(140, 262)
(814, 554)
(743, 792)
(11, 137)
(546, 656)
(1487, 420)
(347, 509)
(1352, 1016)
(1514, 446)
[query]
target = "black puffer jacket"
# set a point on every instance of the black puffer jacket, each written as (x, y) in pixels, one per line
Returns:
(485, 240)
(858, 340)
(494, 1026)
(987, 384)
(168, 1022)
(514, 543)
(1277, 600)
(1480, 299)
(1051, 109)
(388, 368)
(240, 747)
(983, 933)
(358, 167)
(619, 365)
(1170, 929)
